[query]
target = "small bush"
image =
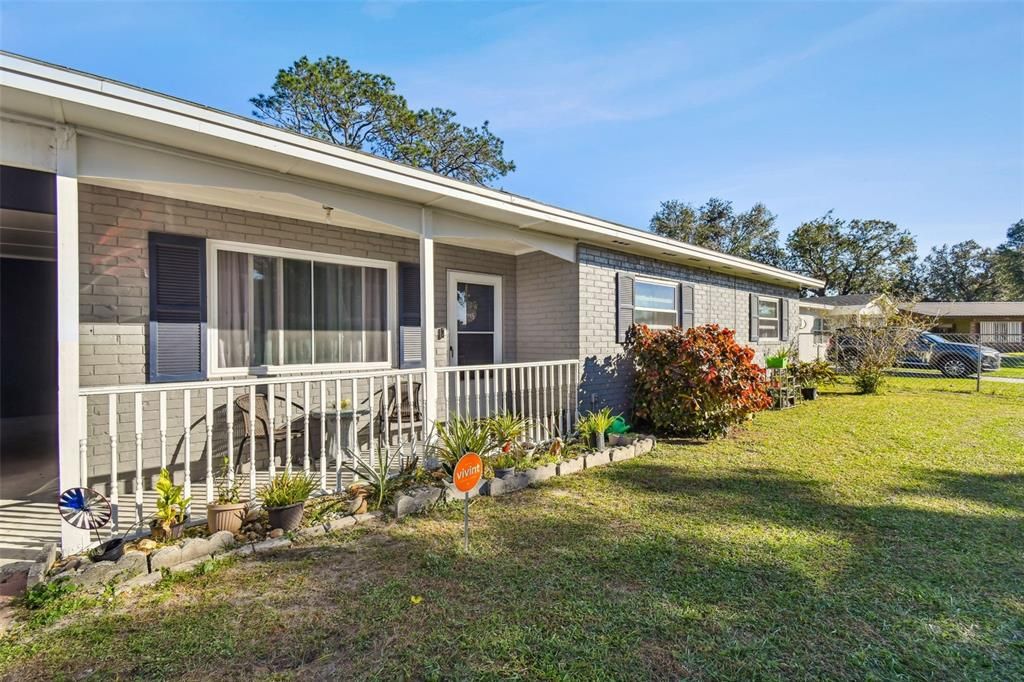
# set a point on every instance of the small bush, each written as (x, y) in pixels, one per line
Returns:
(696, 382)
(286, 489)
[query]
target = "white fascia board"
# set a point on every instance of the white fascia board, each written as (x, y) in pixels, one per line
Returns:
(91, 91)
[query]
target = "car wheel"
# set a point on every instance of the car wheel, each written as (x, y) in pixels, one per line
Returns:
(956, 366)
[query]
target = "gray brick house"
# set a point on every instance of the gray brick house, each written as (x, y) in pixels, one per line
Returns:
(222, 289)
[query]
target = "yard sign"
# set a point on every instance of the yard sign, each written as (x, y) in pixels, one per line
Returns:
(468, 471)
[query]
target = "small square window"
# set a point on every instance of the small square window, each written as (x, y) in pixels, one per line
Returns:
(656, 304)
(768, 323)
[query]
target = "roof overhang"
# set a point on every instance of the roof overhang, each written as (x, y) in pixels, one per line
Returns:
(36, 91)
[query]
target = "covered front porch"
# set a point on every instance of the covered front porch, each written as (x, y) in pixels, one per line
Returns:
(468, 325)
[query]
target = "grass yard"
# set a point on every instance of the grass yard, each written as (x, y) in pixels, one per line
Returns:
(857, 537)
(1015, 372)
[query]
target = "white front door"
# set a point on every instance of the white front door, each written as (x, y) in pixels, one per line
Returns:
(474, 318)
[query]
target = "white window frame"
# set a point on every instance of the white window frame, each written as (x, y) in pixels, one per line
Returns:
(778, 317)
(213, 246)
(676, 303)
(456, 276)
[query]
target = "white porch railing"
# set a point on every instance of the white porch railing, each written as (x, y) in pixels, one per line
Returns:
(543, 392)
(260, 426)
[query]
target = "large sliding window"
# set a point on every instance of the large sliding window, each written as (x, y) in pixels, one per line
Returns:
(292, 311)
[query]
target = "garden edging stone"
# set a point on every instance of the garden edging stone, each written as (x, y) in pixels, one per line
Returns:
(541, 473)
(136, 568)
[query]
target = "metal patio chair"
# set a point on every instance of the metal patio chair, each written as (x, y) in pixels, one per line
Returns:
(264, 429)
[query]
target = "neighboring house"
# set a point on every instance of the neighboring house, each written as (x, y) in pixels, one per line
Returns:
(812, 336)
(852, 307)
(1000, 323)
(219, 281)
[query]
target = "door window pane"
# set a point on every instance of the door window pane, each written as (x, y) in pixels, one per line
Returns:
(476, 349)
(475, 307)
(297, 312)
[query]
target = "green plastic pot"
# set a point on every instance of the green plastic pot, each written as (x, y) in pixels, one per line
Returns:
(776, 363)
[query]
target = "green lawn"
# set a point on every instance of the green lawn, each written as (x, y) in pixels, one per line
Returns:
(857, 537)
(1015, 372)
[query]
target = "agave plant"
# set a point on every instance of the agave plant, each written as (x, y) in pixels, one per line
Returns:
(381, 485)
(506, 429)
(458, 436)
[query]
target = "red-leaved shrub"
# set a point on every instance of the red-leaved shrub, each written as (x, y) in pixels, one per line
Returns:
(696, 382)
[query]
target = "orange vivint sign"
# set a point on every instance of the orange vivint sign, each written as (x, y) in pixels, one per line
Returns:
(468, 471)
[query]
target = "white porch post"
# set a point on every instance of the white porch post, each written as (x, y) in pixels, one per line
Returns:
(427, 318)
(69, 420)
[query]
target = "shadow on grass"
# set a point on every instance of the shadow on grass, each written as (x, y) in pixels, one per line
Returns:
(1002, 489)
(654, 582)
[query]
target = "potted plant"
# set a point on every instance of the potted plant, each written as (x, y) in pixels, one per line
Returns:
(505, 464)
(171, 509)
(111, 550)
(810, 375)
(227, 511)
(595, 425)
(777, 360)
(284, 498)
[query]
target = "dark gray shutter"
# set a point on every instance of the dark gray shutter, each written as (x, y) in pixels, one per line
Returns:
(624, 305)
(410, 335)
(753, 317)
(177, 308)
(686, 306)
(783, 319)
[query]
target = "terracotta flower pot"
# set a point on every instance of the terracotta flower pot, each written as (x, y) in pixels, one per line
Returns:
(225, 516)
(286, 518)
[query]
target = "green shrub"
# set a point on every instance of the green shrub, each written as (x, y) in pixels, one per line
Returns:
(287, 489)
(696, 382)
(814, 373)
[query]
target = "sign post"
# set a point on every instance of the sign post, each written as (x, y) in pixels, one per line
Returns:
(468, 471)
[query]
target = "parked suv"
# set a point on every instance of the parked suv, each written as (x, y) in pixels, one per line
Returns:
(927, 351)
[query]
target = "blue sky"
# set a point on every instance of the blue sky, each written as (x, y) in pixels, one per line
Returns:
(912, 112)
